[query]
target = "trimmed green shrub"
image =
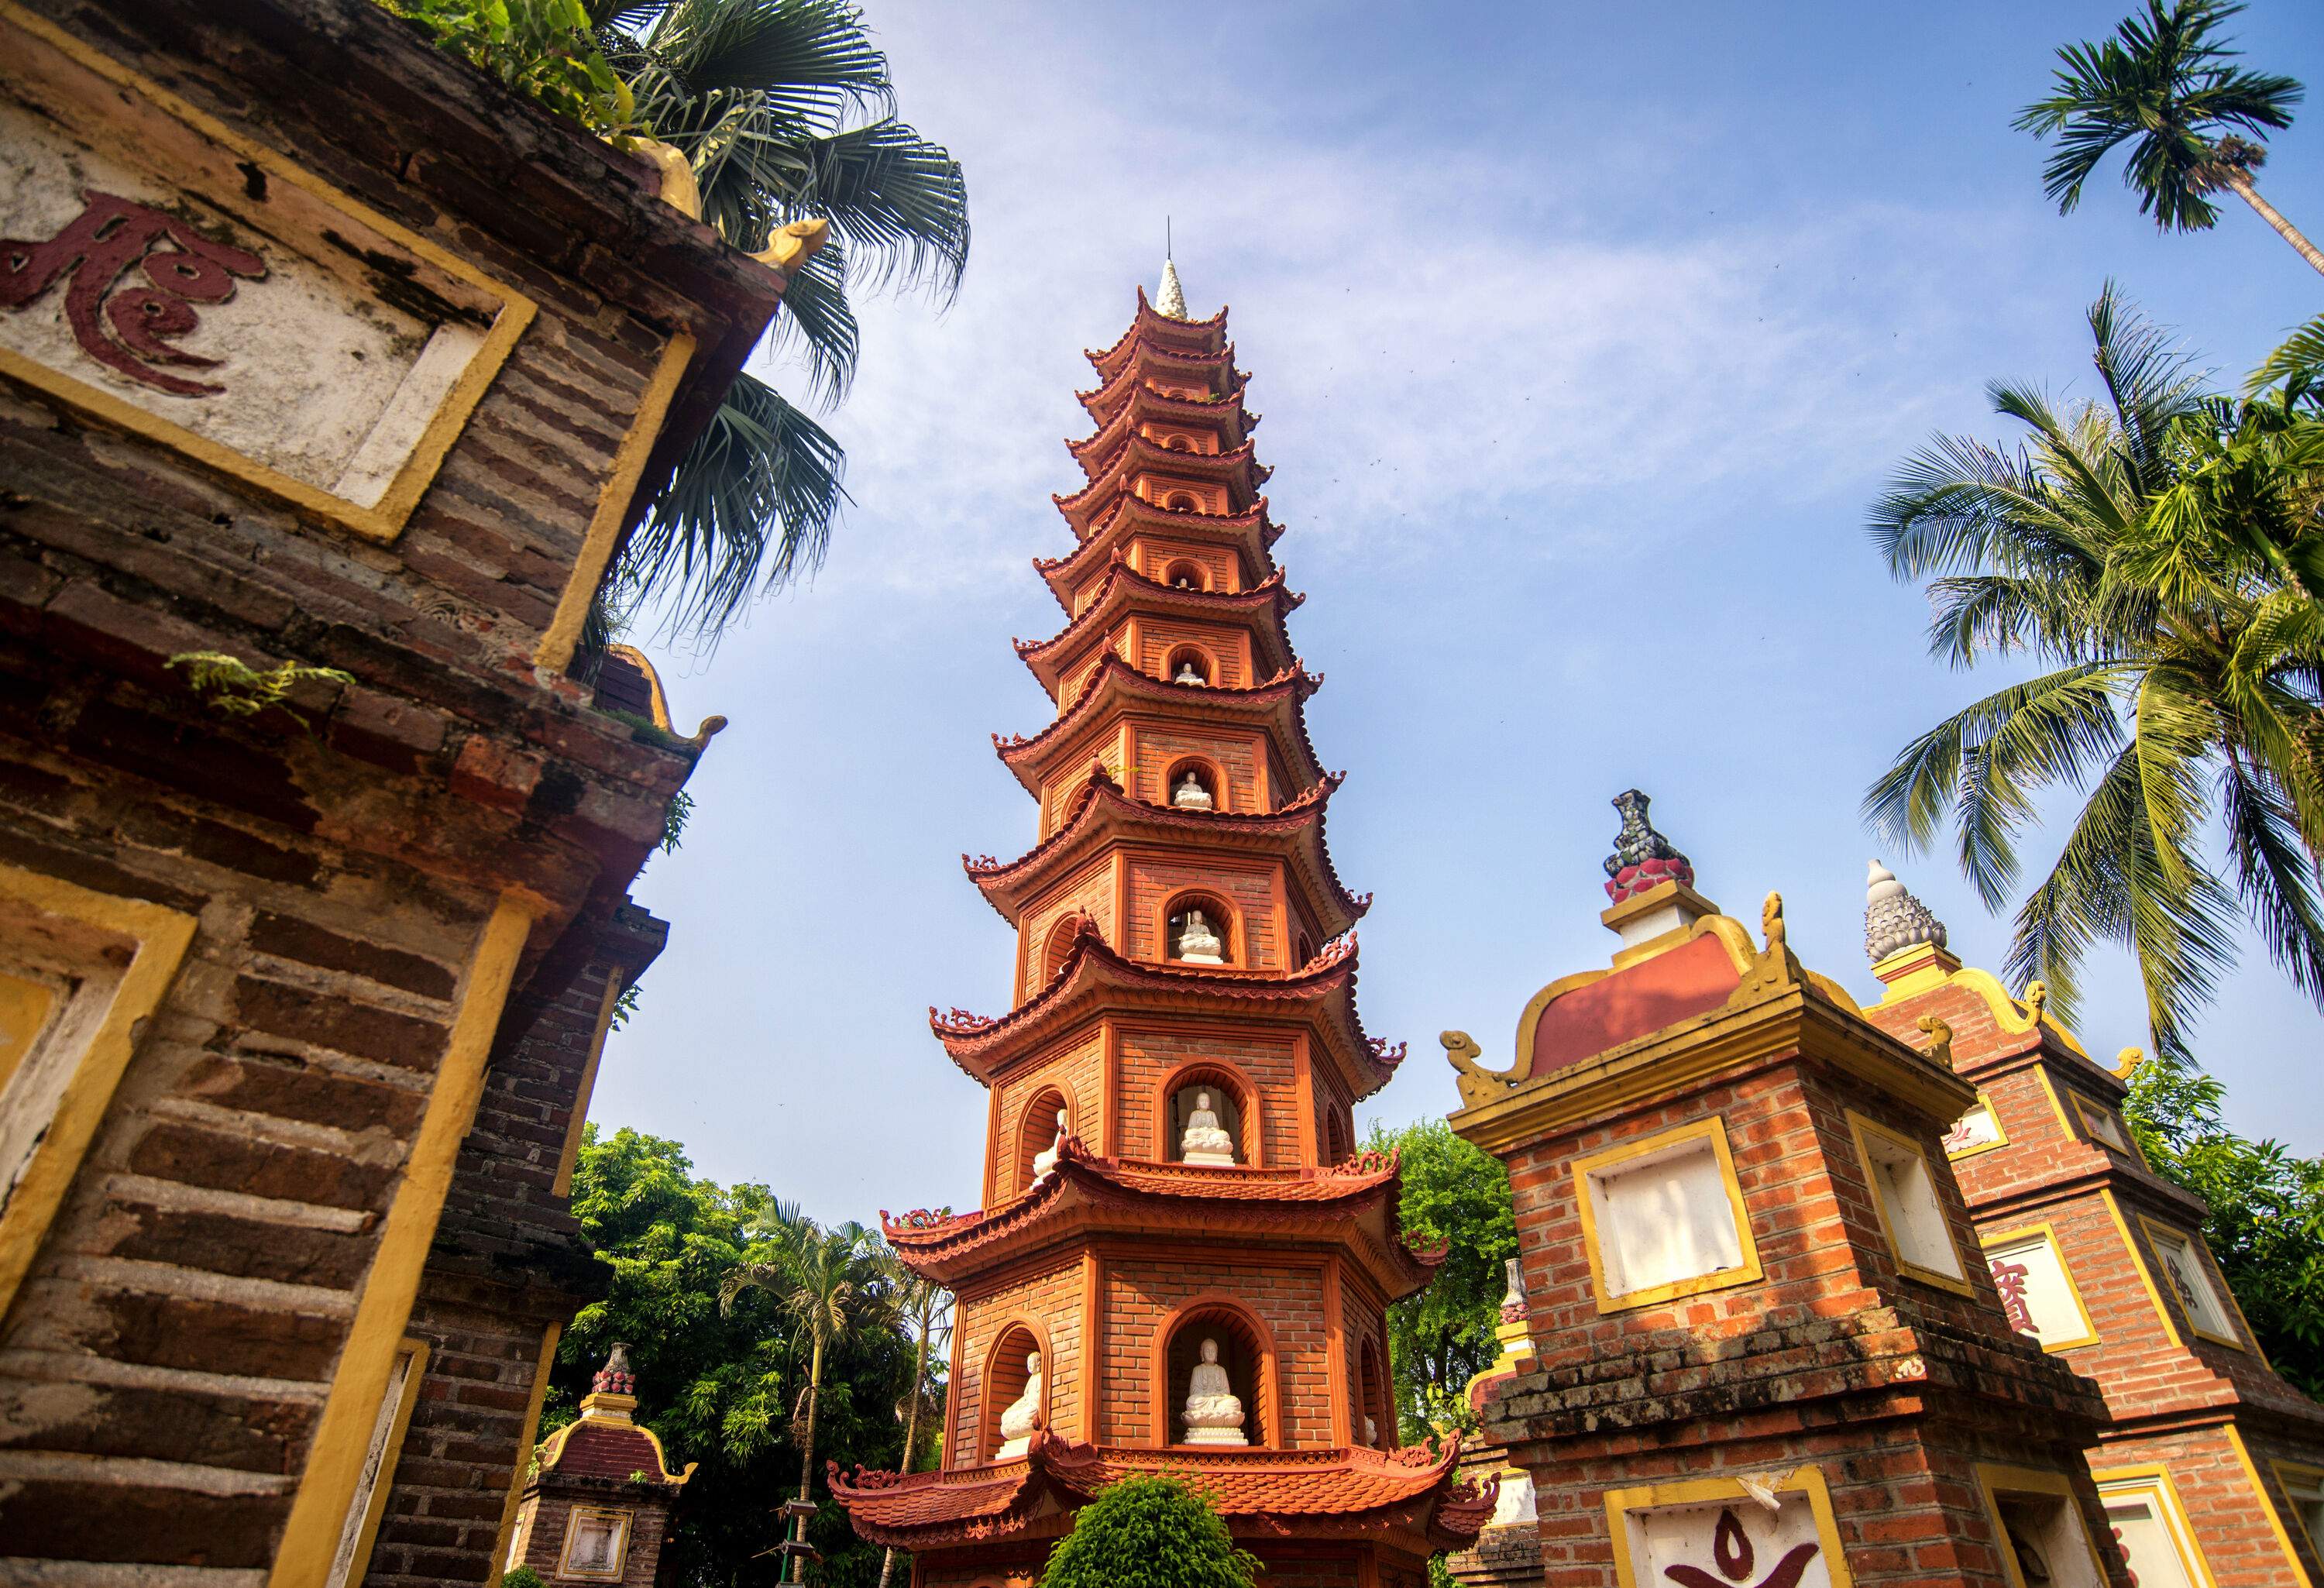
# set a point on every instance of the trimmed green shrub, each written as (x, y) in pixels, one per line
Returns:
(1149, 1533)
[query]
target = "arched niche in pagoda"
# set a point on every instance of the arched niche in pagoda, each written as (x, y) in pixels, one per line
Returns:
(1057, 947)
(1182, 502)
(1339, 1134)
(1373, 1398)
(1234, 1100)
(1246, 1350)
(1198, 929)
(1191, 664)
(1207, 775)
(1186, 573)
(1036, 1130)
(1003, 1378)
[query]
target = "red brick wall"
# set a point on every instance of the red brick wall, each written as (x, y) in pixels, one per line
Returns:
(547, 1514)
(1142, 1289)
(1077, 1072)
(1051, 1296)
(1247, 890)
(1089, 891)
(1152, 555)
(1154, 747)
(1150, 1055)
(2231, 1521)
(1227, 647)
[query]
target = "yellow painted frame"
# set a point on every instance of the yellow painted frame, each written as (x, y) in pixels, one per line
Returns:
(1993, 1480)
(2156, 1477)
(504, 1538)
(2085, 1109)
(2001, 1131)
(1806, 1479)
(1859, 1128)
(2049, 1231)
(2146, 1273)
(627, 1520)
(399, 1425)
(2288, 1473)
(163, 936)
(2201, 1252)
(383, 521)
(1714, 1130)
(2266, 1506)
(310, 1535)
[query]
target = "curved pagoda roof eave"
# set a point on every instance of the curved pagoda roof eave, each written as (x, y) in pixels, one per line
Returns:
(1281, 1492)
(1357, 1202)
(1051, 658)
(1095, 451)
(1215, 373)
(1286, 693)
(1323, 991)
(1299, 821)
(1249, 532)
(1157, 326)
(1240, 471)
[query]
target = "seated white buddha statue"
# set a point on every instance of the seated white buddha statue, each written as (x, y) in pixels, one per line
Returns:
(1024, 1413)
(1045, 1160)
(1205, 1139)
(1213, 1414)
(1197, 944)
(1188, 673)
(1371, 1431)
(1190, 794)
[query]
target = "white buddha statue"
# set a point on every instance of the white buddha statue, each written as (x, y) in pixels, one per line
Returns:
(1213, 1414)
(1372, 1432)
(1188, 673)
(1197, 944)
(1190, 794)
(1024, 1413)
(1205, 1139)
(1046, 1161)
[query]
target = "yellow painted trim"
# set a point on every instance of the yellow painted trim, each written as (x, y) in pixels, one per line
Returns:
(1714, 1130)
(2001, 1131)
(1859, 1128)
(1993, 1480)
(2154, 1475)
(2057, 1104)
(2201, 1252)
(1728, 931)
(1912, 971)
(2085, 1109)
(399, 1425)
(2288, 1473)
(573, 1519)
(658, 711)
(2266, 1506)
(311, 1534)
(570, 1153)
(1804, 1479)
(509, 1507)
(2145, 1274)
(163, 936)
(383, 521)
(629, 458)
(2049, 1231)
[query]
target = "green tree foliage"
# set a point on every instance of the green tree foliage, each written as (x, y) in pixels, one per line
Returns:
(1148, 1533)
(2146, 547)
(1441, 1338)
(721, 1387)
(2165, 85)
(2266, 1225)
(544, 50)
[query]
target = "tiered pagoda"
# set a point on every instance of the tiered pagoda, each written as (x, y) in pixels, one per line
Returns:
(1181, 1263)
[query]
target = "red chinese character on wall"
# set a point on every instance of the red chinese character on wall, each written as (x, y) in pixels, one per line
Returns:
(129, 329)
(2009, 1278)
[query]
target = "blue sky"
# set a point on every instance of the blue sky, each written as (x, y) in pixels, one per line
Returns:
(1583, 338)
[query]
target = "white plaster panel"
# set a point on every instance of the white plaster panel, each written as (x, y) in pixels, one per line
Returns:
(2035, 1293)
(1665, 1219)
(1729, 1544)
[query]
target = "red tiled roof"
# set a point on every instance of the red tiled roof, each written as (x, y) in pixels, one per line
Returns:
(1259, 1492)
(1094, 451)
(603, 1447)
(1049, 659)
(1157, 325)
(1239, 470)
(1250, 532)
(1278, 699)
(1294, 830)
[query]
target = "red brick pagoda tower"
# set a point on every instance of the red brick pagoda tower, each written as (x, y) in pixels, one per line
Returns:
(1179, 1264)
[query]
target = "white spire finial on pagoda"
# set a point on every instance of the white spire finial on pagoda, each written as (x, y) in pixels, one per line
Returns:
(1170, 300)
(1894, 920)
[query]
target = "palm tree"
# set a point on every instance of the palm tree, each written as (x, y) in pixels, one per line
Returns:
(829, 1282)
(2179, 690)
(2164, 85)
(786, 112)
(925, 1305)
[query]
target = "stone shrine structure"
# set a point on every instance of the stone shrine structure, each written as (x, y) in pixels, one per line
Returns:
(597, 1506)
(1507, 1551)
(2210, 1467)
(317, 348)
(1765, 1351)
(1205, 1269)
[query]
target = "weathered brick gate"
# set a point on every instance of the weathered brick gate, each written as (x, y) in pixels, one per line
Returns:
(314, 348)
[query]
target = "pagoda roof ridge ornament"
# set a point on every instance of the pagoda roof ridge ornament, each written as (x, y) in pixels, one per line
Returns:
(1642, 858)
(1894, 920)
(1170, 301)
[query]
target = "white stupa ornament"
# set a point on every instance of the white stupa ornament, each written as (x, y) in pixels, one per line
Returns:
(1170, 301)
(1894, 920)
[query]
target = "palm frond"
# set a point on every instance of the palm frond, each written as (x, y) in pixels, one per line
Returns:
(2275, 874)
(2301, 357)
(811, 60)
(900, 198)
